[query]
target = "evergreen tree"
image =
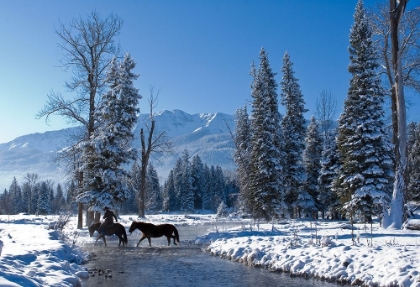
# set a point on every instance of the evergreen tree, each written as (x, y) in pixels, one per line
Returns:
(207, 188)
(170, 200)
(312, 159)
(265, 198)
(186, 195)
(231, 189)
(218, 186)
(134, 181)
(34, 198)
(59, 202)
(242, 156)
(327, 198)
(413, 188)
(294, 133)
(70, 196)
(109, 148)
(197, 181)
(44, 204)
(178, 183)
(26, 196)
(15, 197)
(365, 174)
(153, 194)
(5, 206)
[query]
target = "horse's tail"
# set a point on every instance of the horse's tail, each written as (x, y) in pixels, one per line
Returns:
(176, 234)
(124, 235)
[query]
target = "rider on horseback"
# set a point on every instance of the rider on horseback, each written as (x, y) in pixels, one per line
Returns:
(109, 220)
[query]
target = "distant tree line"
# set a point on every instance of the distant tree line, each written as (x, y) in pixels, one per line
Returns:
(37, 197)
(191, 185)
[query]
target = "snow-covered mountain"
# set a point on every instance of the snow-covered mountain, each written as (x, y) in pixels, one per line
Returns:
(206, 135)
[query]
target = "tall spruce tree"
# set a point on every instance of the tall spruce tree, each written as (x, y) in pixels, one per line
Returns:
(170, 199)
(365, 174)
(242, 155)
(109, 148)
(207, 188)
(15, 193)
(186, 191)
(327, 197)
(197, 181)
(266, 195)
(153, 192)
(294, 132)
(44, 204)
(413, 187)
(312, 159)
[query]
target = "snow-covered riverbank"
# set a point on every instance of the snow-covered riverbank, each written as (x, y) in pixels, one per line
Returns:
(35, 255)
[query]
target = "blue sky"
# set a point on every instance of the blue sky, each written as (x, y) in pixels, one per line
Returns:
(197, 52)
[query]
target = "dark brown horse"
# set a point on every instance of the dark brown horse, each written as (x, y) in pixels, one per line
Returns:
(115, 228)
(150, 230)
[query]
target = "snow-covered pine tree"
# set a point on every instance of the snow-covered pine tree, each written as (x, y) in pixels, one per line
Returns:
(44, 205)
(218, 183)
(170, 199)
(207, 188)
(197, 183)
(327, 198)
(26, 191)
(59, 202)
(294, 132)
(365, 175)
(15, 193)
(413, 188)
(312, 160)
(186, 193)
(266, 194)
(70, 196)
(134, 182)
(242, 155)
(153, 194)
(109, 148)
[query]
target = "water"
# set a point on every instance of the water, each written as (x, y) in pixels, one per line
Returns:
(187, 265)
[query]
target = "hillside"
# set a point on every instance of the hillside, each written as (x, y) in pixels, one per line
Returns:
(206, 135)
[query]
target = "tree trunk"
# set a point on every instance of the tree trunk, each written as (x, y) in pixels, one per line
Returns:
(80, 205)
(142, 188)
(80, 216)
(396, 215)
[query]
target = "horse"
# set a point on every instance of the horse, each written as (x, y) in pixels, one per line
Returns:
(116, 228)
(150, 230)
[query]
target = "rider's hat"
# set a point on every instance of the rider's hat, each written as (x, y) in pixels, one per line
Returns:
(106, 207)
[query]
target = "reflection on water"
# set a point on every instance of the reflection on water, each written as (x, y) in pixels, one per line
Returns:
(187, 265)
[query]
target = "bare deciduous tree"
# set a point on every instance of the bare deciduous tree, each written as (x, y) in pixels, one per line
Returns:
(155, 143)
(395, 218)
(32, 180)
(326, 110)
(88, 46)
(408, 38)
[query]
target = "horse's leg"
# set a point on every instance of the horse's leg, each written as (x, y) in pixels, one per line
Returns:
(103, 237)
(150, 241)
(141, 239)
(169, 240)
(97, 238)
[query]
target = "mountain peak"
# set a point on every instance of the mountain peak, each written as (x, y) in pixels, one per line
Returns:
(205, 134)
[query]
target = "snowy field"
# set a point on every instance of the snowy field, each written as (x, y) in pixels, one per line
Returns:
(34, 254)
